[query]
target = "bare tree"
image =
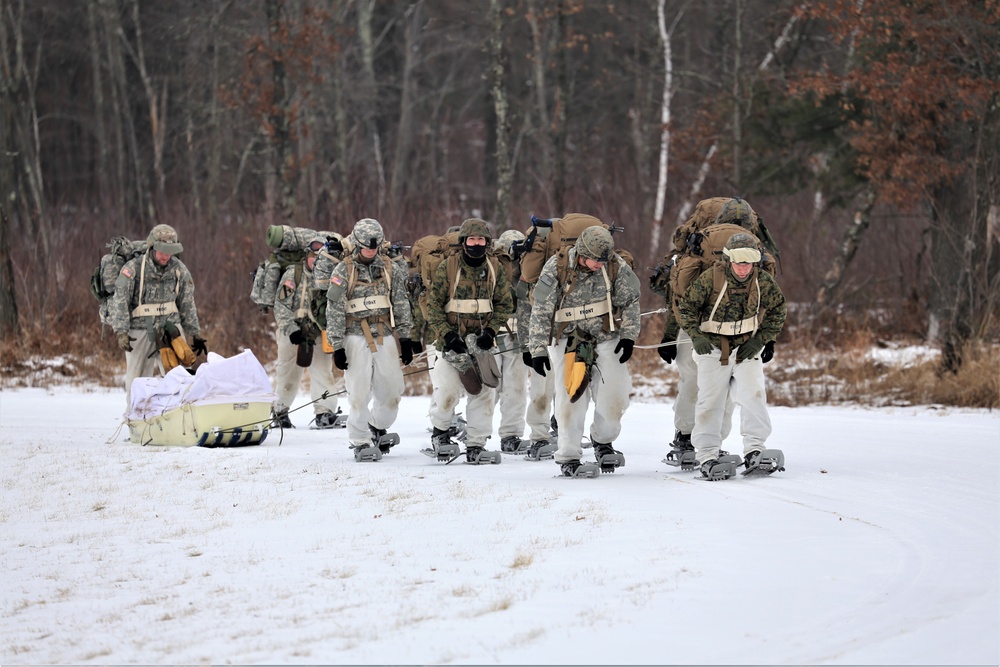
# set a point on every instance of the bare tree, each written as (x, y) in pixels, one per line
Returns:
(498, 91)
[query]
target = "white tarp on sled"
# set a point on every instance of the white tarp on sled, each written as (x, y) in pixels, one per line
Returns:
(226, 402)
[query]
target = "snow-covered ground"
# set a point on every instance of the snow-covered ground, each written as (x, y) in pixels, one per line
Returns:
(879, 544)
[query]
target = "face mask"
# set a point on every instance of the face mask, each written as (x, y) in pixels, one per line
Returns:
(475, 251)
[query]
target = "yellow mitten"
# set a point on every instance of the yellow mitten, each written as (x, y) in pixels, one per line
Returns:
(168, 358)
(575, 376)
(184, 354)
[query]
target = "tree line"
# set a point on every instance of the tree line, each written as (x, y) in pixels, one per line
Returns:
(865, 132)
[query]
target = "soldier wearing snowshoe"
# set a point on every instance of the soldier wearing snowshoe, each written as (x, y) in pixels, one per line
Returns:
(731, 312)
(586, 315)
(367, 305)
(153, 298)
(297, 312)
(512, 395)
(469, 301)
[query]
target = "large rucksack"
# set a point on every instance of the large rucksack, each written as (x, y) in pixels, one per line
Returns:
(426, 254)
(704, 248)
(290, 251)
(547, 237)
(102, 280)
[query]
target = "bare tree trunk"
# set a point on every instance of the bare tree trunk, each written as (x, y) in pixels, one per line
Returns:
(852, 239)
(668, 92)
(498, 90)
(365, 10)
(214, 175)
(281, 138)
(737, 107)
(414, 23)
(561, 94)
(8, 295)
(338, 10)
(538, 76)
(102, 164)
(157, 107)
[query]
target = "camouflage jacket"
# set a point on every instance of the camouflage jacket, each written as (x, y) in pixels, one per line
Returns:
(588, 289)
(473, 283)
(368, 280)
(295, 301)
(164, 288)
(696, 305)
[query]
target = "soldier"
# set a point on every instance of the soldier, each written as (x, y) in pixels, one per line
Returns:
(468, 302)
(731, 312)
(296, 309)
(511, 395)
(366, 304)
(153, 292)
(587, 303)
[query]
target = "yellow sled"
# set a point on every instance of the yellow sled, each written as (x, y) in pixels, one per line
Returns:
(233, 424)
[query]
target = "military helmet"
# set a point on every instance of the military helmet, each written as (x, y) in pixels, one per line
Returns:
(367, 234)
(163, 238)
(509, 238)
(595, 243)
(736, 211)
(316, 243)
(742, 248)
(474, 227)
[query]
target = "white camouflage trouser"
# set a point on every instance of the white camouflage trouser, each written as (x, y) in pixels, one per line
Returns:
(610, 386)
(687, 390)
(448, 391)
(142, 362)
(374, 377)
(288, 376)
(744, 383)
(541, 391)
(511, 395)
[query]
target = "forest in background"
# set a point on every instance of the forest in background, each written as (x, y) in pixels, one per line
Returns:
(864, 132)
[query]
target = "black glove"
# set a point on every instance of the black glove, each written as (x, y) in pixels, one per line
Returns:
(340, 359)
(526, 358)
(540, 364)
(296, 337)
(125, 341)
(768, 352)
(454, 342)
(199, 345)
(700, 344)
(668, 352)
(625, 347)
(406, 351)
(750, 349)
(485, 339)
(416, 346)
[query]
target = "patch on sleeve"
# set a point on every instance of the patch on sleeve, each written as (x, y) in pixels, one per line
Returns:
(336, 280)
(127, 272)
(290, 284)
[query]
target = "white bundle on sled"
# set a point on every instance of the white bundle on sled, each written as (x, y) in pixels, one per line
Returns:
(226, 403)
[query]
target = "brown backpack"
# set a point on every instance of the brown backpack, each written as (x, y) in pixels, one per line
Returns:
(706, 213)
(703, 249)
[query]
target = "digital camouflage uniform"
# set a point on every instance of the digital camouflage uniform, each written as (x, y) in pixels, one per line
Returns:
(472, 283)
(364, 310)
(742, 374)
(147, 297)
(512, 397)
(296, 303)
(610, 383)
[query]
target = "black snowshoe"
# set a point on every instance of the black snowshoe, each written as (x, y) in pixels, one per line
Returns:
(575, 468)
(539, 450)
(477, 455)
(764, 462)
(722, 468)
(681, 452)
(384, 441)
(608, 457)
(442, 447)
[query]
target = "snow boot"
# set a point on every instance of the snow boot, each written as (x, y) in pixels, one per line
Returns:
(724, 467)
(608, 457)
(681, 452)
(553, 429)
(574, 468)
(764, 462)
(384, 441)
(459, 429)
(365, 452)
(282, 420)
(477, 455)
(539, 450)
(442, 448)
(512, 444)
(325, 420)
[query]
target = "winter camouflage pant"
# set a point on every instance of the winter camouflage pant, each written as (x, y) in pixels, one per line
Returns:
(511, 395)
(288, 376)
(744, 384)
(687, 390)
(374, 377)
(448, 391)
(610, 386)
